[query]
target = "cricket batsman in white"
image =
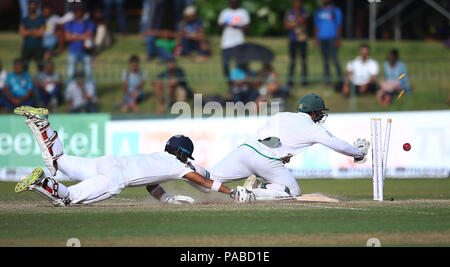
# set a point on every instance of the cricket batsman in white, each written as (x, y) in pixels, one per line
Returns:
(285, 135)
(104, 177)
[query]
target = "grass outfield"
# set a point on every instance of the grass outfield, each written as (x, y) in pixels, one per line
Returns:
(419, 215)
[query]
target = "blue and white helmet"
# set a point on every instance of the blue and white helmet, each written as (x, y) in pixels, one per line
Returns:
(181, 146)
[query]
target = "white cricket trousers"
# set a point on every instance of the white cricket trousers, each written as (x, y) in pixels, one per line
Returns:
(245, 161)
(100, 178)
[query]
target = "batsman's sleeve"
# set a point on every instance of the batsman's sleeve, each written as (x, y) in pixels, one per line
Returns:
(323, 137)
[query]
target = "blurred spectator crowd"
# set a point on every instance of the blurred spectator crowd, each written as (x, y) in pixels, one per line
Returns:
(172, 29)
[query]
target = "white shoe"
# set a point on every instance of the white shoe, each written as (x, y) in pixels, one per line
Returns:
(38, 183)
(36, 176)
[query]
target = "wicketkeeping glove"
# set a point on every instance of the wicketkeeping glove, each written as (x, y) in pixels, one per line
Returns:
(363, 145)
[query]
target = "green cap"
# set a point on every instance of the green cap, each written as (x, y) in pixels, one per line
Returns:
(311, 102)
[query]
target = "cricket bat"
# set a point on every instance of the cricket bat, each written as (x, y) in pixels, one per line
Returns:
(310, 198)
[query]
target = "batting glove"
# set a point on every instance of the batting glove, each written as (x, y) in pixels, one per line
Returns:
(242, 195)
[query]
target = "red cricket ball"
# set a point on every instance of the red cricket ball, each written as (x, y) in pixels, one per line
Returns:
(406, 146)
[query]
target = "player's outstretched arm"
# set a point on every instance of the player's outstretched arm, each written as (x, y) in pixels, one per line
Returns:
(325, 138)
(208, 183)
(240, 194)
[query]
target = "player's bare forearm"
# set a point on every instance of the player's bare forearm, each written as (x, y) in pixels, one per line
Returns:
(224, 189)
(208, 183)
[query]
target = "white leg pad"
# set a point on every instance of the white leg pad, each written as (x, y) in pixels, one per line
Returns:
(267, 194)
(47, 195)
(46, 156)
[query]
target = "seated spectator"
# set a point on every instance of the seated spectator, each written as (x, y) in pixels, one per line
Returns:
(52, 27)
(391, 86)
(3, 76)
(79, 33)
(165, 44)
(174, 79)
(80, 95)
(18, 89)
(269, 85)
(133, 81)
(49, 86)
(32, 29)
(192, 35)
(241, 84)
(362, 73)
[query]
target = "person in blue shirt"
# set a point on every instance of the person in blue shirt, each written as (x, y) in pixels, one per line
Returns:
(32, 30)
(79, 33)
(295, 22)
(328, 32)
(392, 86)
(242, 84)
(394, 68)
(18, 89)
(192, 35)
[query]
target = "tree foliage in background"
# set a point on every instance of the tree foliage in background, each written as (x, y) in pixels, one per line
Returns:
(266, 15)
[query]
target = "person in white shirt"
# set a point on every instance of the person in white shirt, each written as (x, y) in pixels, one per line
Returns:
(3, 75)
(52, 30)
(362, 73)
(80, 95)
(233, 21)
(285, 135)
(104, 177)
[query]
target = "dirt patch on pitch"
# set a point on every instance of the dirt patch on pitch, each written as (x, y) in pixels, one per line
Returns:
(220, 204)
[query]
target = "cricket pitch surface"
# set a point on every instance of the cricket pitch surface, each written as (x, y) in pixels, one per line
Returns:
(418, 216)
